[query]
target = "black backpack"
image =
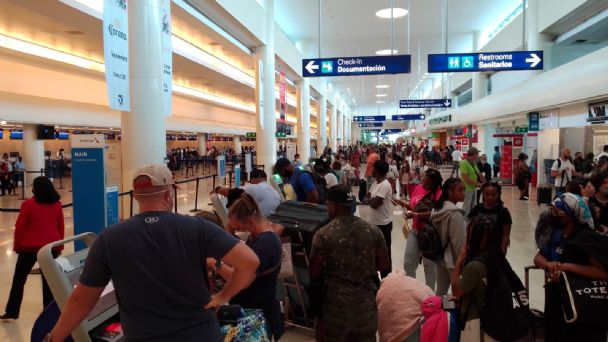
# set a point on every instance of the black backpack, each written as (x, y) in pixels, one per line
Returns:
(320, 184)
(429, 242)
(506, 314)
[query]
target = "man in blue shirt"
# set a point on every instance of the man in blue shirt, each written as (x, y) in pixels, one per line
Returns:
(301, 181)
(496, 159)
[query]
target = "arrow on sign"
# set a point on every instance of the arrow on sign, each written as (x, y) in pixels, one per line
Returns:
(534, 60)
(311, 67)
(448, 103)
(421, 116)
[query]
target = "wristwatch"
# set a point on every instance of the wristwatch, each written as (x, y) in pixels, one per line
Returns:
(47, 338)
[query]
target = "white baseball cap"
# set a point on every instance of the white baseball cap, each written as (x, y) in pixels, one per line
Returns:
(158, 174)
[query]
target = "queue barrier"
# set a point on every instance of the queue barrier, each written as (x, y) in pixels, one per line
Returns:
(197, 180)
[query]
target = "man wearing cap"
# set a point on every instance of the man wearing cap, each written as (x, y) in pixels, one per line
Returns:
(156, 261)
(471, 178)
(301, 181)
(263, 193)
(347, 253)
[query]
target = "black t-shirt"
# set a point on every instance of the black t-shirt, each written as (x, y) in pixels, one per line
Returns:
(157, 263)
(599, 212)
(499, 214)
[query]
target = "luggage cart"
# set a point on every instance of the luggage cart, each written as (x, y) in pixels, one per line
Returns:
(62, 274)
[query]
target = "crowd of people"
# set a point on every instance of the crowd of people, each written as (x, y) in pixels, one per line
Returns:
(11, 173)
(460, 233)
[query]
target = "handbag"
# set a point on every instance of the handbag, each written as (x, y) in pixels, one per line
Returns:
(406, 229)
(583, 299)
(250, 327)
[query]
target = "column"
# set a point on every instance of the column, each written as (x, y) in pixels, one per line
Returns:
(454, 97)
(480, 79)
(202, 144)
(534, 39)
(303, 113)
(344, 126)
(333, 130)
(322, 120)
(266, 126)
(237, 144)
(33, 151)
(339, 123)
(143, 129)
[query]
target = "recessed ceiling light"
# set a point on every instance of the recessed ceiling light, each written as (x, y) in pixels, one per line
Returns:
(381, 95)
(396, 13)
(386, 52)
(382, 86)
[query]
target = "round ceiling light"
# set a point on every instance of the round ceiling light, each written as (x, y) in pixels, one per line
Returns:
(382, 86)
(386, 13)
(386, 52)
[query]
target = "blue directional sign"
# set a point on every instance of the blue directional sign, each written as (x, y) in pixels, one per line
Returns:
(391, 130)
(407, 117)
(490, 61)
(371, 124)
(355, 66)
(370, 118)
(430, 103)
(372, 130)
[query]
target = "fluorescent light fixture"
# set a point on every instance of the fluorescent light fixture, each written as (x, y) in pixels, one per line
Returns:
(381, 95)
(44, 52)
(388, 14)
(386, 52)
(212, 98)
(382, 86)
(206, 59)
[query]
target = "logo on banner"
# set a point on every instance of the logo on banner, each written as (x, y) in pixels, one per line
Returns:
(165, 24)
(120, 100)
(122, 4)
(115, 31)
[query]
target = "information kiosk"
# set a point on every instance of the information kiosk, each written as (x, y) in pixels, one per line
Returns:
(62, 274)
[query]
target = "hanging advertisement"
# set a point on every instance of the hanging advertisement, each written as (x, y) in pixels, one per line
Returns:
(506, 163)
(167, 56)
(283, 104)
(116, 53)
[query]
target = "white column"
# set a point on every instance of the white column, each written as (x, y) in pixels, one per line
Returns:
(237, 144)
(339, 124)
(480, 79)
(454, 97)
(202, 144)
(534, 39)
(322, 120)
(33, 151)
(143, 129)
(333, 129)
(266, 126)
(303, 113)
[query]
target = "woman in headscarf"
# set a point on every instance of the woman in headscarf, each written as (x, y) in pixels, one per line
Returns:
(570, 245)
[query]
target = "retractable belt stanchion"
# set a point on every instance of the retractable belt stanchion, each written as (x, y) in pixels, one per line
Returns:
(196, 197)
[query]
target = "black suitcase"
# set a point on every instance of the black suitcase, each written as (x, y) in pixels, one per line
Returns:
(537, 331)
(544, 194)
(301, 221)
(362, 189)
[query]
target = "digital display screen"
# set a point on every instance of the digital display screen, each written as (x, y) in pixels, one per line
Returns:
(16, 135)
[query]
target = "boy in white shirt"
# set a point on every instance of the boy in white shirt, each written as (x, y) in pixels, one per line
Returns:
(379, 199)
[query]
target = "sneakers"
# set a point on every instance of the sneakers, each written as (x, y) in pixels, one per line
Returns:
(524, 198)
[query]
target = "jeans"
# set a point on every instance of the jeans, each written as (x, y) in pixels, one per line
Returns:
(470, 201)
(496, 170)
(386, 231)
(411, 260)
(25, 263)
(455, 167)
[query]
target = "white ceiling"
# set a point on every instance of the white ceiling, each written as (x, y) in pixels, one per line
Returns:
(351, 28)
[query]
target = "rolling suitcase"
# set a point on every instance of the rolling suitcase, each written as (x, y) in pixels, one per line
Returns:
(544, 194)
(537, 331)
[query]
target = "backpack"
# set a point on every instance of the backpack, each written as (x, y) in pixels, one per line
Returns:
(506, 313)
(320, 185)
(429, 242)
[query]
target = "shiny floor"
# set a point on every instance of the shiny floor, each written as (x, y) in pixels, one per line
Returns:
(520, 254)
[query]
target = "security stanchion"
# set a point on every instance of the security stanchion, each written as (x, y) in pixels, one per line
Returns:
(196, 209)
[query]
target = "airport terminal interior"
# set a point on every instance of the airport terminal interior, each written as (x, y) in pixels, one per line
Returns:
(396, 109)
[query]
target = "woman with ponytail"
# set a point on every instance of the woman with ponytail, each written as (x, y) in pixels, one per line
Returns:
(449, 221)
(245, 216)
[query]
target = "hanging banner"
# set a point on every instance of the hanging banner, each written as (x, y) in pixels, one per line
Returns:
(116, 53)
(167, 56)
(283, 104)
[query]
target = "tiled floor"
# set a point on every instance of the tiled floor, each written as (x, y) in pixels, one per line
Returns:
(520, 254)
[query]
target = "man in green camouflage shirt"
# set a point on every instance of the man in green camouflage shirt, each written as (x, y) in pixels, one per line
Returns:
(347, 253)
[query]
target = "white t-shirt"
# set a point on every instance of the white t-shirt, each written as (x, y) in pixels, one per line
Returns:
(393, 172)
(457, 155)
(565, 166)
(384, 214)
(265, 195)
(331, 180)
